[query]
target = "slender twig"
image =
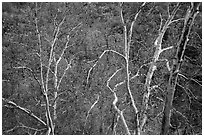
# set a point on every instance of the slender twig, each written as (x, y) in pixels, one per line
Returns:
(186, 119)
(92, 106)
(66, 45)
(31, 128)
(114, 128)
(63, 75)
(194, 80)
(24, 67)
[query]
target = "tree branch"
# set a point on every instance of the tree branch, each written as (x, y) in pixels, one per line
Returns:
(153, 67)
(116, 100)
(52, 50)
(27, 111)
(45, 87)
(40, 47)
(92, 106)
(99, 59)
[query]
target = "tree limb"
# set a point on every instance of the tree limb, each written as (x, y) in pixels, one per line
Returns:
(27, 111)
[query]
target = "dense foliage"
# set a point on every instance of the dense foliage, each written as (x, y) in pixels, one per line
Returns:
(101, 68)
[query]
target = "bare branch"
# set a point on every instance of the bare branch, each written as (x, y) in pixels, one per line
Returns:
(121, 14)
(114, 128)
(35, 54)
(92, 106)
(176, 20)
(167, 63)
(189, 20)
(31, 128)
(186, 119)
(198, 36)
(64, 49)
(168, 10)
(196, 81)
(24, 67)
(68, 66)
(49, 41)
(66, 45)
(158, 41)
(160, 99)
(5, 80)
(186, 92)
(133, 22)
(52, 50)
(45, 87)
(153, 87)
(153, 67)
(119, 84)
(182, 75)
(138, 71)
(160, 27)
(29, 112)
(123, 82)
(120, 112)
(40, 46)
(99, 59)
(127, 48)
(173, 13)
(166, 48)
(10, 130)
(108, 81)
(77, 26)
(116, 100)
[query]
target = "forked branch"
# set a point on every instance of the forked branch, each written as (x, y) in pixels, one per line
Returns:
(116, 100)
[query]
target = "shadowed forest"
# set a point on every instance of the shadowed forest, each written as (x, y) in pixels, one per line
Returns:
(102, 68)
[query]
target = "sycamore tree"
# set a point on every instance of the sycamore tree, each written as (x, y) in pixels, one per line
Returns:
(101, 68)
(40, 37)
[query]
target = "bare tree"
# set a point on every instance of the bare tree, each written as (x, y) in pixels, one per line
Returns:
(102, 68)
(181, 46)
(51, 63)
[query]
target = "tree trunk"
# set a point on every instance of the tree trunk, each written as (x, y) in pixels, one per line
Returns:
(153, 66)
(189, 19)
